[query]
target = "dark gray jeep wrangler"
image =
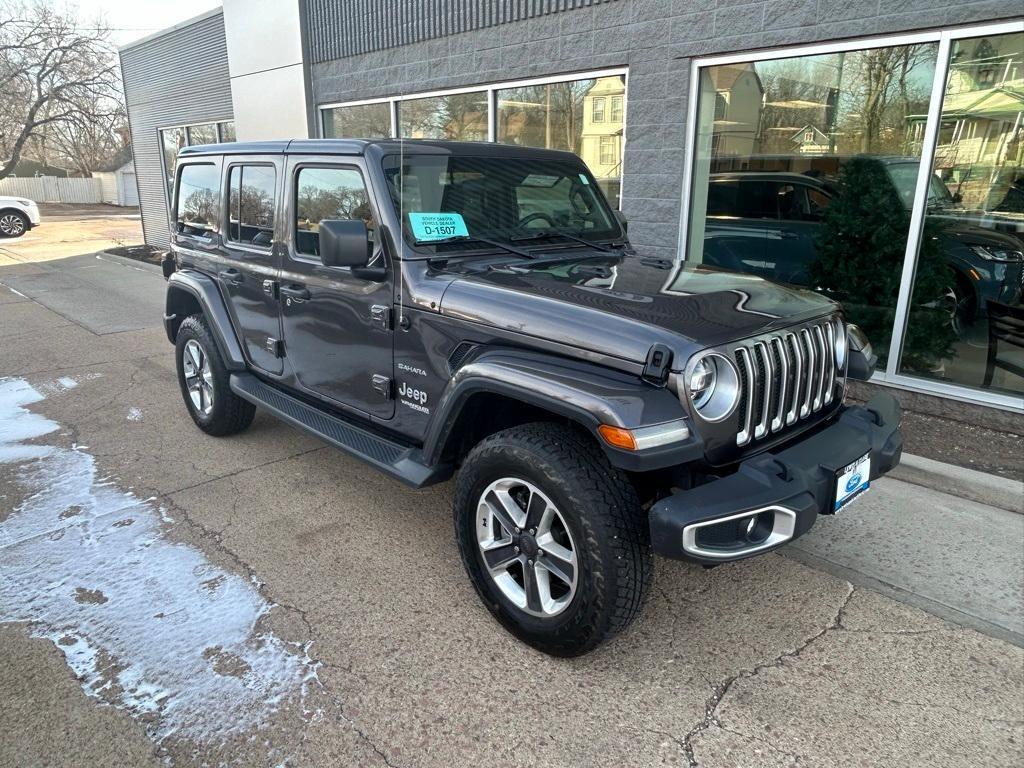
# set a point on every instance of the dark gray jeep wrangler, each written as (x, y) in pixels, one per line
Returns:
(434, 307)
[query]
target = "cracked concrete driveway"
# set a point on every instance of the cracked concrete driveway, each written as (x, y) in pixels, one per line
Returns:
(358, 617)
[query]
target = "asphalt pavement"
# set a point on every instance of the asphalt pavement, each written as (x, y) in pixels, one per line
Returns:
(169, 597)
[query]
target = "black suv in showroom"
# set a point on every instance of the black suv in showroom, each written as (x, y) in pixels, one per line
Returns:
(770, 224)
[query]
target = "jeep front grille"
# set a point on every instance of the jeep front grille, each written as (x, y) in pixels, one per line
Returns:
(785, 377)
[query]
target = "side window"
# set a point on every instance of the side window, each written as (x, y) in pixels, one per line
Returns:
(818, 203)
(251, 204)
(327, 193)
(754, 200)
(792, 202)
(723, 197)
(198, 202)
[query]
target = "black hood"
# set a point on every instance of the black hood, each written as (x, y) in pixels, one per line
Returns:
(620, 305)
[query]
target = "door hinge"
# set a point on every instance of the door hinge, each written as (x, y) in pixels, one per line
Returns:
(270, 288)
(381, 316)
(382, 384)
(275, 347)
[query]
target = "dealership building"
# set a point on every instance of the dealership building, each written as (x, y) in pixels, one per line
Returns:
(872, 150)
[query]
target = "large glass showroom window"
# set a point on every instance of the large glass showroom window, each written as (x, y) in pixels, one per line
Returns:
(363, 121)
(583, 114)
(172, 140)
(456, 117)
(971, 252)
(808, 171)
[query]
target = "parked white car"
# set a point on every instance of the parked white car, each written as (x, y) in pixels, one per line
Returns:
(17, 216)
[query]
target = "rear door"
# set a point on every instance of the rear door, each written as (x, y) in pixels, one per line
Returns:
(251, 256)
(337, 325)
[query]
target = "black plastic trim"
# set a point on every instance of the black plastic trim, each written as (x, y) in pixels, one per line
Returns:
(395, 459)
(206, 293)
(800, 478)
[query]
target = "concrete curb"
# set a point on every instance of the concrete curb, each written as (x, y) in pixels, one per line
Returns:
(981, 487)
(126, 262)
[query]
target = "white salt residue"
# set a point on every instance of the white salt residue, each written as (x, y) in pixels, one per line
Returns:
(63, 384)
(134, 414)
(148, 625)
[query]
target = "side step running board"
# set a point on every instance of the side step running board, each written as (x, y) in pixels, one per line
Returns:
(393, 458)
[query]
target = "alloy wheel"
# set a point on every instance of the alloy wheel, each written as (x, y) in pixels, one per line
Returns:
(11, 225)
(526, 547)
(198, 376)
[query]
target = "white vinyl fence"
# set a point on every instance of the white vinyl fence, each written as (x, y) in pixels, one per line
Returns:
(53, 189)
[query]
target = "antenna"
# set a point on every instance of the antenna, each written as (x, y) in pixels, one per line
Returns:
(400, 179)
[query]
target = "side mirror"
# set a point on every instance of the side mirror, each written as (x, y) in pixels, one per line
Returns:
(345, 243)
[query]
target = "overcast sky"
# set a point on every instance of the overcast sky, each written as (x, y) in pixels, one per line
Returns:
(132, 19)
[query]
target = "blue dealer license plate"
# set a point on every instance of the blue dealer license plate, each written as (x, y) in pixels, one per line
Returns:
(851, 481)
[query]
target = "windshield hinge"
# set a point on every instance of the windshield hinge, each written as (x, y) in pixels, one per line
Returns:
(659, 359)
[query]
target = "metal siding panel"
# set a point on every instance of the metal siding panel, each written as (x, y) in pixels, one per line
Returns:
(178, 78)
(342, 28)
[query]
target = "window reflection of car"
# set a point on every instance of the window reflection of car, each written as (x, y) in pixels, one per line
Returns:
(768, 224)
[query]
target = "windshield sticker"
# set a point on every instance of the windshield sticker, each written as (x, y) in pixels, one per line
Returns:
(584, 180)
(540, 180)
(437, 226)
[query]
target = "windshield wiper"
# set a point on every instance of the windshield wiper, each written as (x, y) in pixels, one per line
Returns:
(476, 239)
(546, 233)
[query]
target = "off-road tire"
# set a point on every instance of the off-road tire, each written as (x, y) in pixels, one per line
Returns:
(230, 413)
(604, 517)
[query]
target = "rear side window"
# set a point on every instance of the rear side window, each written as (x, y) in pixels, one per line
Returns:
(251, 204)
(327, 193)
(740, 198)
(198, 202)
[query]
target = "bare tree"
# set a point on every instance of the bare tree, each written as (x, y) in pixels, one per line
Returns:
(53, 75)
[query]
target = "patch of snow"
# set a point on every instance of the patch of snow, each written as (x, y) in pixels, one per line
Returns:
(147, 625)
(134, 414)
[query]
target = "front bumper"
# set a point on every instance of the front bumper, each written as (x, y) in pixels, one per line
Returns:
(783, 493)
(33, 215)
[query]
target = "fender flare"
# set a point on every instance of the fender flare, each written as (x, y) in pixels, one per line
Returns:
(204, 290)
(585, 393)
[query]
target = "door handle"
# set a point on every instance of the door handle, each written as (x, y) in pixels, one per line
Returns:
(232, 276)
(294, 293)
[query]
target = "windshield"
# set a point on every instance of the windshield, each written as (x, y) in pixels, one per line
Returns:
(904, 177)
(441, 197)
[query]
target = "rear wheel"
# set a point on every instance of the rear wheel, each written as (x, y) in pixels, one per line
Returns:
(13, 224)
(553, 537)
(204, 382)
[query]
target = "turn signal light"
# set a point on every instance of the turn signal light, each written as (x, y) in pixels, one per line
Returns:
(617, 437)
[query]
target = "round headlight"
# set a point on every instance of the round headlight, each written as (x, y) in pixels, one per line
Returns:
(842, 344)
(702, 382)
(712, 384)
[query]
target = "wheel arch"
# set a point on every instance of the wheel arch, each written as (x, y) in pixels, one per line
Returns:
(505, 388)
(190, 292)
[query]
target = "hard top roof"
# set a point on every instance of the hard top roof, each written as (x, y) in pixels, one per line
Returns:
(377, 146)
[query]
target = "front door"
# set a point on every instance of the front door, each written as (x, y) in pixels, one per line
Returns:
(337, 326)
(248, 271)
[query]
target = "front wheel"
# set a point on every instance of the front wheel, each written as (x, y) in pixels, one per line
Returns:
(553, 537)
(13, 224)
